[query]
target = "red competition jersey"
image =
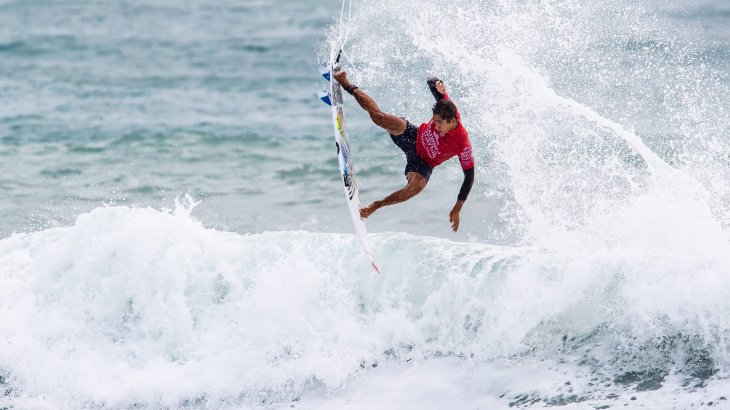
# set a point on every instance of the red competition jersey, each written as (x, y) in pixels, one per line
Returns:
(435, 147)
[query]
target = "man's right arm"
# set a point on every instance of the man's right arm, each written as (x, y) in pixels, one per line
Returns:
(437, 88)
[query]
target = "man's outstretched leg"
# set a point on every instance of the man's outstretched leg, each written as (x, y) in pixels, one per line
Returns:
(393, 124)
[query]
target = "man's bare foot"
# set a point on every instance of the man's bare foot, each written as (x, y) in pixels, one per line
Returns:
(368, 210)
(341, 77)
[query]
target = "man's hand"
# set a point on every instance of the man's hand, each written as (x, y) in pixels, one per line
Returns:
(454, 215)
(368, 210)
(440, 87)
(341, 77)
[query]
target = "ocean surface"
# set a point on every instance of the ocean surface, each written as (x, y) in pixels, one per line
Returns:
(174, 235)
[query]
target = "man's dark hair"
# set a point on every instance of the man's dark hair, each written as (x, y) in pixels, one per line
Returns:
(445, 109)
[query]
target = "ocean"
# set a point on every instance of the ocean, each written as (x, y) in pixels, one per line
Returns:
(174, 233)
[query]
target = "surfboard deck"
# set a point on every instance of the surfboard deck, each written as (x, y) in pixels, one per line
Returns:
(344, 156)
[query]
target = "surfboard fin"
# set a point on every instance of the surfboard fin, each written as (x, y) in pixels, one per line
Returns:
(325, 97)
(325, 72)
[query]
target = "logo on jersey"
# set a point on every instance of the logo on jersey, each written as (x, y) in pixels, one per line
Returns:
(430, 140)
(466, 155)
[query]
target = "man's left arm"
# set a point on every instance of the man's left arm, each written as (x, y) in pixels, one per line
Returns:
(463, 194)
(466, 159)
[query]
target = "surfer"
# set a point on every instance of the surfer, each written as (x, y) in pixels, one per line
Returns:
(427, 146)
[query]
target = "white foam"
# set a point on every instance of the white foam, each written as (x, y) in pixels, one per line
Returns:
(141, 305)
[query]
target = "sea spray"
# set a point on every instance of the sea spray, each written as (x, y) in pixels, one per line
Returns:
(628, 245)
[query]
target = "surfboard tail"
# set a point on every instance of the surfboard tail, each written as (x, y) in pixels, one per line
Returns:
(374, 266)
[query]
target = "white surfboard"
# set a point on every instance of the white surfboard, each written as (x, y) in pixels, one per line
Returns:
(347, 169)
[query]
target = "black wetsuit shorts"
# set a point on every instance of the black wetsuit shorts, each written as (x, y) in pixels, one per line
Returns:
(407, 143)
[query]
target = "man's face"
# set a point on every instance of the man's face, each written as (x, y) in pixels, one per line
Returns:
(442, 125)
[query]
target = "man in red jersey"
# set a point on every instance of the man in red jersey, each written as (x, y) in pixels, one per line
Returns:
(425, 147)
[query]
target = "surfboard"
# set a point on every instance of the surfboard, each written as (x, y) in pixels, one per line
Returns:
(344, 154)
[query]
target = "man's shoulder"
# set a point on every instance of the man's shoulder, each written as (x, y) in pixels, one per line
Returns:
(424, 126)
(461, 133)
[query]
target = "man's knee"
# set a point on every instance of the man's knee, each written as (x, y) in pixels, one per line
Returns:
(416, 182)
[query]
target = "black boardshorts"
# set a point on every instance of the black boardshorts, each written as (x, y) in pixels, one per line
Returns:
(407, 143)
